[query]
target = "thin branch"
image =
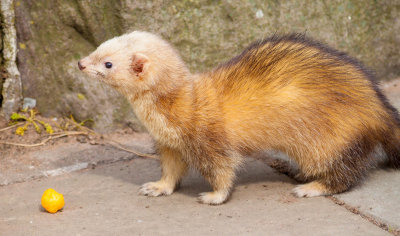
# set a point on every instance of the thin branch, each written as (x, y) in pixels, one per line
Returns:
(9, 127)
(71, 133)
(43, 142)
(119, 146)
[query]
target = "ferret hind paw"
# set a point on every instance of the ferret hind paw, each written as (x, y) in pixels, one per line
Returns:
(313, 189)
(155, 189)
(213, 198)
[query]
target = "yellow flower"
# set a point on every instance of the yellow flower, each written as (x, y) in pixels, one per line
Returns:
(49, 129)
(20, 130)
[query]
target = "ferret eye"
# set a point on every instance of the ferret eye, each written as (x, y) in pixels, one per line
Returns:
(108, 65)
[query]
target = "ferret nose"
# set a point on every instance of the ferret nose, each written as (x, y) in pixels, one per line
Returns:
(80, 66)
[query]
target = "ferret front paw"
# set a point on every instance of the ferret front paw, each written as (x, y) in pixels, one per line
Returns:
(213, 198)
(155, 189)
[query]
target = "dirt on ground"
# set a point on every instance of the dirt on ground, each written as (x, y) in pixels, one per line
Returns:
(15, 147)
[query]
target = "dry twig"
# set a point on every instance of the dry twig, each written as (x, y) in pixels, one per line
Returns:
(43, 142)
(86, 132)
(119, 146)
(109, 141)
(9, 127)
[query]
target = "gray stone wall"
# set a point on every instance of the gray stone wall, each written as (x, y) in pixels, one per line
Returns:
(54, 34)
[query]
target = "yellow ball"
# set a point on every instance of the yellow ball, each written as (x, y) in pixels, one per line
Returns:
(52, 201)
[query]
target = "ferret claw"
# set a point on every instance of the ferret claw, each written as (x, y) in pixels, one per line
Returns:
(155, 189)
(312, 189)
(212, 198)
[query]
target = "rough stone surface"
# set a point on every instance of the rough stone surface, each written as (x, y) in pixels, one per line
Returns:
(11, 86)
(29, 103)
(53, 35)
(2, 77)
(104, 201)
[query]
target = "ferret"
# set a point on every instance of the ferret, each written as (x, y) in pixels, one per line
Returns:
(287, 93)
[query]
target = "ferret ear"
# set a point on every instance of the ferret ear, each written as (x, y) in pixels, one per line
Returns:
(139, 64)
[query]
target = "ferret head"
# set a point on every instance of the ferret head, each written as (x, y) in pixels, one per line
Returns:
(135, 62)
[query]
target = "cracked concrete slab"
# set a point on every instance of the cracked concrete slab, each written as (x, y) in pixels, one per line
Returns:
(67, 157)
(378, 197)
(104, 201)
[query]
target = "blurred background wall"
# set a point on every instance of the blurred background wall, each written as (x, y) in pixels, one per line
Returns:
(54, 34)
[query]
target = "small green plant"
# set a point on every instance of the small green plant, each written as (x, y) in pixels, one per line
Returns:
(69, 127)
(31, 119)
(70, 123)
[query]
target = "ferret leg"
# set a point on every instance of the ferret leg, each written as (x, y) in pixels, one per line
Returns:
(312, 189)
(221, 180)
(338, 175)
(325, 186)
(173, 169)
(335, 181)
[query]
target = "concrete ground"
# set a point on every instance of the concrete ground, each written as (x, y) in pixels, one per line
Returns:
(100, 186)
(104, 201)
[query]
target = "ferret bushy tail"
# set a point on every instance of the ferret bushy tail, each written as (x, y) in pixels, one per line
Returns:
(391, 136)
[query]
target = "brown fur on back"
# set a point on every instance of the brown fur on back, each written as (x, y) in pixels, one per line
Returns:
(294, 95)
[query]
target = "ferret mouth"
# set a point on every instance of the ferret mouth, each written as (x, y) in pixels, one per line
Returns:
(101, 77)
(96, 74)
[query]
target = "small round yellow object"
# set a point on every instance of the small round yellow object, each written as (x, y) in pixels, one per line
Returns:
(52, 201)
